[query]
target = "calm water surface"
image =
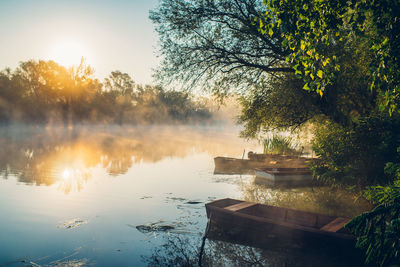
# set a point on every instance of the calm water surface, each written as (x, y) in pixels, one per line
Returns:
(133, 197)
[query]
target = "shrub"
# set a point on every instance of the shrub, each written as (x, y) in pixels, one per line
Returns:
(358, 154)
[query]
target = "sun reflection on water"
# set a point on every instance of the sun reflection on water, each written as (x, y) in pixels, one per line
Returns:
(72, 168)
(67, 159)
(72, 180)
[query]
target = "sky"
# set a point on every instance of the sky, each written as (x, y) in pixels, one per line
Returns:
(110, 35)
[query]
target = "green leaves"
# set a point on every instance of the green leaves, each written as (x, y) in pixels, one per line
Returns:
(305, 28)
(270, 32)
(312, 29)
(378, 233)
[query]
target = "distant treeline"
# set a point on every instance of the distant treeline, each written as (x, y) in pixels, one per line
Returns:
(45, 92)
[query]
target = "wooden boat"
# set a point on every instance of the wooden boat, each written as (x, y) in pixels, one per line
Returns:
(284, 175)
(226, 165)
(256, 223)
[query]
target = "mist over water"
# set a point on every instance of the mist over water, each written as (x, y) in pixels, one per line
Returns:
(43, 156)
(130, 196)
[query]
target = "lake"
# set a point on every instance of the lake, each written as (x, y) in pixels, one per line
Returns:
(112, 196)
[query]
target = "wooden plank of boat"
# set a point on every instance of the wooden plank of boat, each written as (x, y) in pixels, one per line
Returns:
(335, 225)
(239, 206)
(226, 165)
(284, 174)
(259, 220)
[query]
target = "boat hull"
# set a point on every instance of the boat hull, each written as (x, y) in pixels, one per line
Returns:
(260, 231)
(283, 176)
(226, 165)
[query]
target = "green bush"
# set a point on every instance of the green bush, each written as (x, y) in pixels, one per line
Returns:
(378, 231)
(367, 154)
(357, 155)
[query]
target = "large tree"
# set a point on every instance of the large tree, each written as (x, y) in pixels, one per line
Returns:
(216, 43)
(230, 45)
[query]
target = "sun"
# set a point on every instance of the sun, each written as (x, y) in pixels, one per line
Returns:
(66, 174)
(68, 53)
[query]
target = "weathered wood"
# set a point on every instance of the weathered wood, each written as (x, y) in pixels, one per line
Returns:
(246, 217)
(335, 225)
(225, 165)
(240, 206)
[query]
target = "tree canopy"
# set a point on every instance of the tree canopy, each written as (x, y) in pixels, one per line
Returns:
(313, 30)
(215, 44)
(229, 45)
(43, 92)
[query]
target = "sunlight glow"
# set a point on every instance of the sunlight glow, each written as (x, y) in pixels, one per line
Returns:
(68, 53)
(66, 174)
(72, 180)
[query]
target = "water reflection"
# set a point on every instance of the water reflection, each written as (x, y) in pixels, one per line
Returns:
(317, 199)
(182, 251)
(42, 156)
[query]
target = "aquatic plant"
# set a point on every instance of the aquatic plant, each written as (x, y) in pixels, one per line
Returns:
(278, 144)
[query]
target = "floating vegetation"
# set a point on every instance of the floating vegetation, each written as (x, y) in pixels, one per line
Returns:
(71, 263)
(154, 227)
(193, 202)
(73, 223)
(180, 226)
(63, 259)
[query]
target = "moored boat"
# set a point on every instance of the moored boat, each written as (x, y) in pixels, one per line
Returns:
(257, 222)
(226, 165)
(284, 175)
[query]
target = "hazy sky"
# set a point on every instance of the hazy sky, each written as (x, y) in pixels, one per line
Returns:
(111, 35)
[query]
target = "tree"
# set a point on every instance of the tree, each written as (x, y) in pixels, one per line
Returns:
(216, 44)
(41, 84)
(312, 29)
(120, 87)
(278, 103)
(120, 83)
(40, 91)
(79, 89)
(10, 96)
(219, 45)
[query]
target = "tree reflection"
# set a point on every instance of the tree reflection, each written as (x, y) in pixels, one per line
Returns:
(42, 156)
(324, 200)
(179, 250)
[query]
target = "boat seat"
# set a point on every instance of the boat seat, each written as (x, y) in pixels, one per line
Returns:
(239, 206)
(335, 225)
